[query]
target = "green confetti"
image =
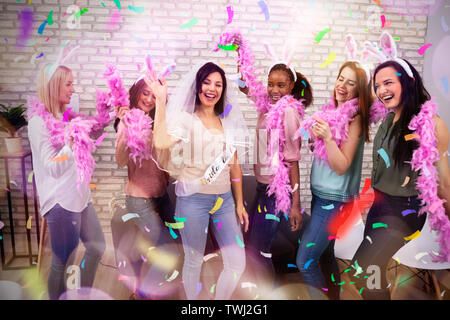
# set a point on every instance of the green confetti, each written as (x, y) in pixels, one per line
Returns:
(81, 12)
(341, 283)
(176, 225)
(119, 6)
(361, 290)
(190, 24)
(230, 47)
(379, 225)
(50, 18)
(332, 277)
(321, 34)
(347, 270)
(212, 288)
(310, 244)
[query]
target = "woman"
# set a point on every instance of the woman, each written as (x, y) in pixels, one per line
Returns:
(339, 131)
(399, 187)
(276, 169)
(63, 188)
(200, 119)
(146, 187)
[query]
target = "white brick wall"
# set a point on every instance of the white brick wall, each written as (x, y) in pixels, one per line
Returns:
(158, 27)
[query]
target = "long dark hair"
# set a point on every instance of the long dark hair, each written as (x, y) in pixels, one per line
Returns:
(201, 75)
(302, 84)
(413, 96)
(134, 93)
(365, 99)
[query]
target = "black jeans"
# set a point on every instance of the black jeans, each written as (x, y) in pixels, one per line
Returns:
(384, 235)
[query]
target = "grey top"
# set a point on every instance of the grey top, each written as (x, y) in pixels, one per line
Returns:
(390, 179)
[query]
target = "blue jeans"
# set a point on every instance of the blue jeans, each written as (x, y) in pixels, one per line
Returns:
(66, 228)
(152, 215)
(195, 208)
(314, 244)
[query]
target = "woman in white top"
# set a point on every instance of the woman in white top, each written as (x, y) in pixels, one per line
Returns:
(67, 207)
(200, 119)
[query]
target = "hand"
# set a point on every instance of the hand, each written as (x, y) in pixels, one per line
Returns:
(321, 130)
(243, 216)
(159, 89)
(295, 218)
(122, 111)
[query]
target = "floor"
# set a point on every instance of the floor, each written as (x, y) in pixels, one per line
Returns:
(112, 286)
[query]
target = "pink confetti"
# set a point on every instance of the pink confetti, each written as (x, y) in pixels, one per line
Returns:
(332, 237)
(100, 139)
(114, 19)
(66, 115)
(236, 180)
(383, 21)
(423, 48)
(146, 229)
(46, 40)
(230, 14)
(143, 259)
(219, 225)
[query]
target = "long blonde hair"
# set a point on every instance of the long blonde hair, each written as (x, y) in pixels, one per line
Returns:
(48, 91)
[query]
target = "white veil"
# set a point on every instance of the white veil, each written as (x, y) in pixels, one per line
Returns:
(179, 117)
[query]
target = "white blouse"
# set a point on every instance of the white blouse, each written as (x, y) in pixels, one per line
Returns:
(55, 181)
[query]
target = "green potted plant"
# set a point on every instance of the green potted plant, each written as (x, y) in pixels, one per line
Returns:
(11, 120)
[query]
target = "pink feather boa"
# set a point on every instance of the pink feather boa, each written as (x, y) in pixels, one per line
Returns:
(338, 120)
(423, 158)
(138, 132)
(81, 128)
(280, 182)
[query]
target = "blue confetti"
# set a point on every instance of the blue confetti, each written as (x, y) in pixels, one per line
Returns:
(445, 84)
(199, 287)
(328, 207)
(408, 211)
(385, 157)
(308, 263)
(304, 133)
(240, 83)
(129, 216)
(82, 263)
(264, 9)
(42, 26)
(227, 110)
(173, 234)
(290, 265)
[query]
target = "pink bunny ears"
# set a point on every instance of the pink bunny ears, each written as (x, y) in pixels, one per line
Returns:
(288, 52)
(62, 58)
(355, 55)
(168, 69)
(388, 52)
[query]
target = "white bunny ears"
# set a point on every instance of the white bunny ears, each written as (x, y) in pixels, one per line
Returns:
(288, 52)
(355, 55)
(62, 58)
(388, 52)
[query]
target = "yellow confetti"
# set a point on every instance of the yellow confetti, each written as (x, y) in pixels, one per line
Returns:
(93, 186)
(411, 136)
(406, 181)
(30, 177)
(62, 158)
(413, 236)
(217, 205)
(328, 61)
(397, 259)
(259, 208)
(29, 222)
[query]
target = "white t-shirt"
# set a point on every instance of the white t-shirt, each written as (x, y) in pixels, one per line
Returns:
(55, 181)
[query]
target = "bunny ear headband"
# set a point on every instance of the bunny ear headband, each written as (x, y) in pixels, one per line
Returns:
(62, 58)
(355, 55)
(288, 52)
(388, 53)
(168, 69)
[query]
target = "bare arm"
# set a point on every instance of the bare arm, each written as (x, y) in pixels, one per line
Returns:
(339, 159)
(442, 137)
(236, 186)
(295, 216)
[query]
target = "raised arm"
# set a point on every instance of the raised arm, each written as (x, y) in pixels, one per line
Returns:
(442, 137)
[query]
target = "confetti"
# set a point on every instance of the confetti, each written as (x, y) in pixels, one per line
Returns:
(230, 14)
(119, 6)
(212, 288)
(199, 287)
(129, 216)
(236, 180)
(29, 222)
(240, 83)
(310, 244)
(136, 9)
(172, 233)
(328, 61)
(174, 225)
(264, 9)
(304, 133)
(173, 276)
(408, 211)
(420, 255)
(303, 210)
(411, 136)
(219, 225)
(290, 265)
(229, 47)
(100, 139)
(442, 294)
(1, 224)
(332, 237)
(266, 255)
(423, 48)
(227, 110)
(81, 12)
(295, 188)
(320, 35)
(209, 256)
(66, 115)
(103, 5)
(369, 239)
(189, 24)
(62, 158)
(7, 190)
(444, 24)
(25, 26)
(406, 181)
(379, 225)
(93, 186)
(399, 74)
(413, 236)
(248, 285)
(50, 18)
(272, 217)
(146, 229)
(328, 207)
(180, 219)
(360, 291)
(308, 263)
(217, 205)
(241, 244)
(367, 184)
(113, 19)
(445, 84)
(385, 157)
(325, 289)
(30, 176)
(41, 27)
